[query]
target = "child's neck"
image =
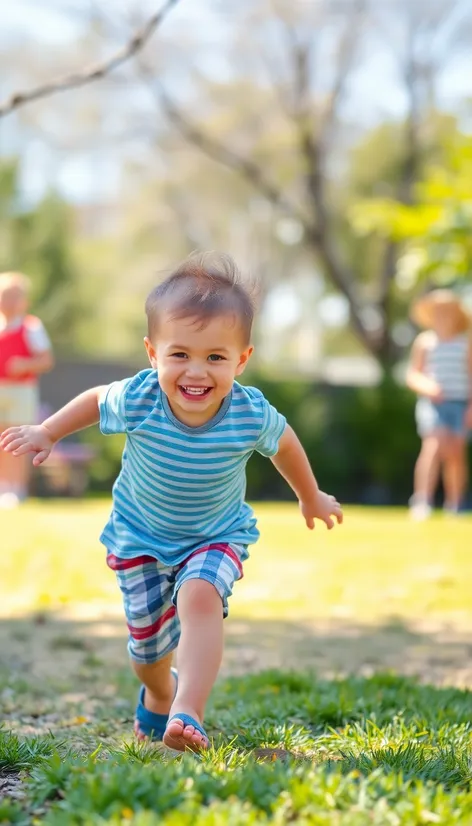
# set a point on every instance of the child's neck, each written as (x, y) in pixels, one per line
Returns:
(194, 419)
(446, 335)
(7, 319)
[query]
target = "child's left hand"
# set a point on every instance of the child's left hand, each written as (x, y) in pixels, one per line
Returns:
(17, 366)
(324, 507)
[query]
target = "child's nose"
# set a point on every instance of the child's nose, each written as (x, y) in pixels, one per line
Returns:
(196, 369)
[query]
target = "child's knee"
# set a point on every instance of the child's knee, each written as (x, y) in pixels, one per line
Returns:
(199, 597)
(457, 450)
(446, 447)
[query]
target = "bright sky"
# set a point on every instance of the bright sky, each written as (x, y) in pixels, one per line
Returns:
(375, 94)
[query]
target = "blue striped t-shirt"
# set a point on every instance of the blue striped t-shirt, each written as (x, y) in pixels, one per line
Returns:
(182, 487)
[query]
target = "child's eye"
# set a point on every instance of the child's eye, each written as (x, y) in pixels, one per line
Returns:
(215, 357)
(179, 355)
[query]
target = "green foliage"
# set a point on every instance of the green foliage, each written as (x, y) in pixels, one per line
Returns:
(16, 754)
(395, 753)
(37, 241)
(12, 813)
(361, 441)
(435, 230)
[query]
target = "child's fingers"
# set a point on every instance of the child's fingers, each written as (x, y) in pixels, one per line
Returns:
(329, 523)
(40, 457)
(9, 430)
(19, 448)
(8, 436)
(310, 522)
(15, 443)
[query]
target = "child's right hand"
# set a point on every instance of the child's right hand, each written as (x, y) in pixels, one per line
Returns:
(28, 439)
(322, 506)
(435, 392)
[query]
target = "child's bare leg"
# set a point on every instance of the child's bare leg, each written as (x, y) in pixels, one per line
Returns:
(17, 471)
(14, 473)
(159, 684)
(427, 469)
(6, 464)
(199, 656)
(455, 472)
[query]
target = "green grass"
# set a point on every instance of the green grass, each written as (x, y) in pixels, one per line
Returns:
(286, 749)
(320, 748)
(377, 565)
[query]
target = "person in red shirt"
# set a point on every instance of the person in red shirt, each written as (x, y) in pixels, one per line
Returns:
(25, 352)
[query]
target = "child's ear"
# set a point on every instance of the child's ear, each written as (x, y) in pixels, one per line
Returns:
(152, 356)
(244, 358)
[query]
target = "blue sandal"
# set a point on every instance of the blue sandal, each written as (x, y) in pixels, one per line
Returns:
(150, 724)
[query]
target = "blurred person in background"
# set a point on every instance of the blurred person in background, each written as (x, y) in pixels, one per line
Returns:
(25, 353)
(440, 372)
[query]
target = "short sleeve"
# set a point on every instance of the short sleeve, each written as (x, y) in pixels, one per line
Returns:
(112, 407)
(36, 336)
(273, 426)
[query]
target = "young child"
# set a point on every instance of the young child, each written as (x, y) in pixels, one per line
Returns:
(440, 372)
(25, 352)
(179, 530)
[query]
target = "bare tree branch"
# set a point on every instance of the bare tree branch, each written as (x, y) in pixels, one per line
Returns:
(224, 155)
(100, 70)
(317, 230)
(311, 140)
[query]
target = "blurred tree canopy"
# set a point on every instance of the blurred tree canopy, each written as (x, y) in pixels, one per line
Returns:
(436, 229)
(248, 135)
(39, 242)
(299, 63)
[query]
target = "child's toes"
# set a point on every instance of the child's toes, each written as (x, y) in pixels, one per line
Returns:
(198, 740)
(195, 738)
(138, 732)
(181, 734)
(176, 728)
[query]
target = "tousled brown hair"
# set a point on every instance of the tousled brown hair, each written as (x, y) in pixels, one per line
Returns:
(204, 286)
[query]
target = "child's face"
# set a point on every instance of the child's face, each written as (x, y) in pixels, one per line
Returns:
(445, 319)
(13, 301)
(197, 366)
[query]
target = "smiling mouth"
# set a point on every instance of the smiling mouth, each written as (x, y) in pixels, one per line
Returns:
(194, 392)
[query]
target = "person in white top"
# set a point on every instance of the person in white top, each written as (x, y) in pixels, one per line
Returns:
(440, 372)
(25, 352)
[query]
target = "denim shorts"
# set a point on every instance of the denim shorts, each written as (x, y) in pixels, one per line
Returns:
(447, 415)
(150, 589)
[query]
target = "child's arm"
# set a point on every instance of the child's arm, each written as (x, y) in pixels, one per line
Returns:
(37, 364)
(81, 412)
(292, 463)
(416, 378)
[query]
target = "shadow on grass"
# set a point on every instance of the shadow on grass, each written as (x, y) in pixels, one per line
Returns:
(47, 647)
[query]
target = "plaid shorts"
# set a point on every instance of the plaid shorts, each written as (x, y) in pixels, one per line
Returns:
(150, 591)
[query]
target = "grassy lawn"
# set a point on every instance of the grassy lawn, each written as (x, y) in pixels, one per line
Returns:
(343, 699)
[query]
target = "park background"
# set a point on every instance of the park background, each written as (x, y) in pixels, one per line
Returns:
(327, 146)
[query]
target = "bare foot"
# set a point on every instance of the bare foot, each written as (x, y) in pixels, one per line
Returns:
(156, 706)
(180, 735)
